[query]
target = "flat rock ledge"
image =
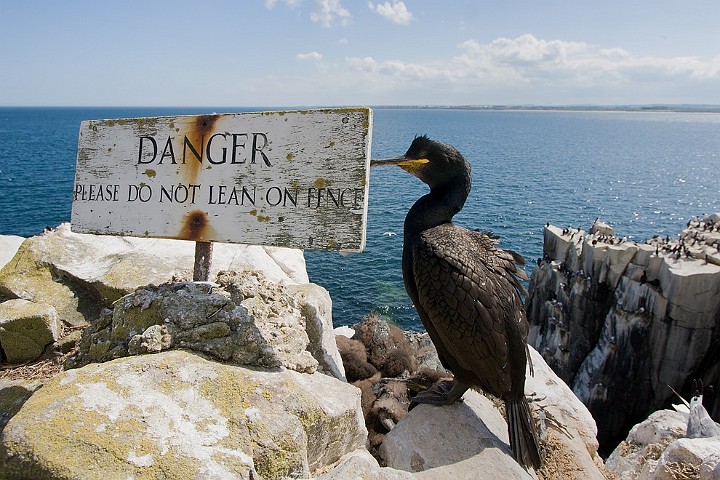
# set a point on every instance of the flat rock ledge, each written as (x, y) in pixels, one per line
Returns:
(79, 274)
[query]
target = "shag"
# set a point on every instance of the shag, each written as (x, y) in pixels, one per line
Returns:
(467, 293)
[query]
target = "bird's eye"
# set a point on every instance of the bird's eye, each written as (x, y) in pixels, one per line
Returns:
(423, 154)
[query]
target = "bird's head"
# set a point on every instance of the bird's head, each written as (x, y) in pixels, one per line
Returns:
(435, 163)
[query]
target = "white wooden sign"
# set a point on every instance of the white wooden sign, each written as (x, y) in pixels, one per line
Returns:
(288, 178)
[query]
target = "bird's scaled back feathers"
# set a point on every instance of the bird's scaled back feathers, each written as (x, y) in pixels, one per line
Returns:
(469, 290)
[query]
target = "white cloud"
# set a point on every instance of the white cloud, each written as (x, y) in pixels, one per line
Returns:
(396, 11)
(557, 61)
(313, 56)
(394, 68)
(364, 63)
(328, 12)
(529, 61)
(270, 4)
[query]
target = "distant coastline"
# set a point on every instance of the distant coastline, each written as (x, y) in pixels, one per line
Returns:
(681, 108)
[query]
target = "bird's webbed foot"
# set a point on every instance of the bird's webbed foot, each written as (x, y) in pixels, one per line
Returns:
(444, 392)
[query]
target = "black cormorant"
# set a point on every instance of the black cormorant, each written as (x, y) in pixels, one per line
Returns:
(467, 294)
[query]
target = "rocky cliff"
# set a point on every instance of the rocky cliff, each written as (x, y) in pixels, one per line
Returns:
(239, 378)
(621, 322)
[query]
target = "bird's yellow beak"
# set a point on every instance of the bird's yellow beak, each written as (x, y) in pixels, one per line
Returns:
(408, 164)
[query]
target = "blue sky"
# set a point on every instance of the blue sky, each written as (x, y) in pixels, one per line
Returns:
(358, 52)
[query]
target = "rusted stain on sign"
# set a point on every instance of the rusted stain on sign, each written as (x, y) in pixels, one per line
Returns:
(288, 178)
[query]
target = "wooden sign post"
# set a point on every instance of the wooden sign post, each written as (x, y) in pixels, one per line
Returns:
(285, 178)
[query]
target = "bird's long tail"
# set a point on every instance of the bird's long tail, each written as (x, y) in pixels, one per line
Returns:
(524, 440)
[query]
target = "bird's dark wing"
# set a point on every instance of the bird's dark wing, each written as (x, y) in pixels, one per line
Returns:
(503, 262)
(467, 289)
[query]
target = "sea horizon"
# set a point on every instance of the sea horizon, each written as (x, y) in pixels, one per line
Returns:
(641, 107)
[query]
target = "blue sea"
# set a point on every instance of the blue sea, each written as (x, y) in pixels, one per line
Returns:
(645, 173)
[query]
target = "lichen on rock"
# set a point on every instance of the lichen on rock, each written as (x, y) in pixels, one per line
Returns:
(26, 329)
(178, 415)
(244, 319)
